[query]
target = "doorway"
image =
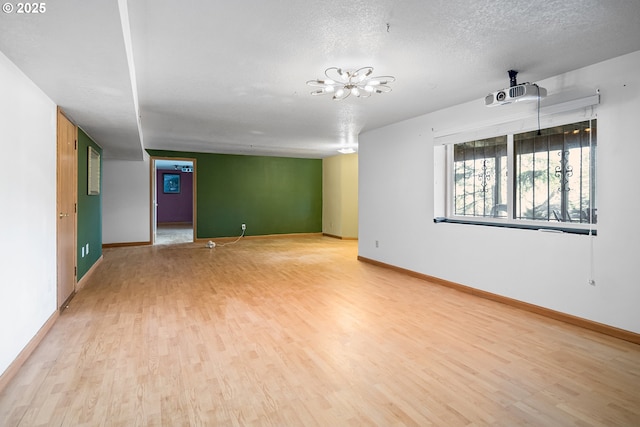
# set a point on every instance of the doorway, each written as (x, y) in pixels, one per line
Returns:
(174, 200)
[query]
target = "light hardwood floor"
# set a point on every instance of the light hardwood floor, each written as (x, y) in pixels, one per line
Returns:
(297, 332)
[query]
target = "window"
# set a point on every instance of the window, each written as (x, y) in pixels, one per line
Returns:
(552, 176)
(480, 169)
(555, 173)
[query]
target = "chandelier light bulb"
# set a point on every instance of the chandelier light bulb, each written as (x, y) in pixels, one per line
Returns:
(342, 83)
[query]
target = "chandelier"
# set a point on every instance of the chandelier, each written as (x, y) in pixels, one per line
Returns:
(342, 83)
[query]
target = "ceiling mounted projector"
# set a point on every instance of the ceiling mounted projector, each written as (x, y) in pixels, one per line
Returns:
(515, 93)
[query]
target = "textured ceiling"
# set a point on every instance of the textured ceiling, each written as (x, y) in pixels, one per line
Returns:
(229, 77)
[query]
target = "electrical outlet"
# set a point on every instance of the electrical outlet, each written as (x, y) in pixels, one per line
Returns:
(244, 227)
(377, 244)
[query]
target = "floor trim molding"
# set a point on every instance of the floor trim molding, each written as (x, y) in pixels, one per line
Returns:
(83, 281)
(22, 357)
(261, 236)
(557, 315)
(125, 244)
(339, 237)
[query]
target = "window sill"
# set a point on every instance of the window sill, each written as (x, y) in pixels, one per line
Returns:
(523, 226)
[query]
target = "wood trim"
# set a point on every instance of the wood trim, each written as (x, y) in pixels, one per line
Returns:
(154, 186)
(339, 237)
(15, 366)
(262, 236)
(194, 209)
(218, 239)
(125, 244)
(66, 302)
(546, 312)
(82, 282)
(152, 199)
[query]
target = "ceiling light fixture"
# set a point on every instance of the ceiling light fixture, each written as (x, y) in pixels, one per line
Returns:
(342, 83)
(347, 150)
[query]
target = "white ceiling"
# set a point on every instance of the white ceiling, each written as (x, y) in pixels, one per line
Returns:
(229, 77)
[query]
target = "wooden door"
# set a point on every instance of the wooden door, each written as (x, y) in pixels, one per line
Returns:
(66, 214)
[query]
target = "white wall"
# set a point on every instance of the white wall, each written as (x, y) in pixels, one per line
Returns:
(125, 201)
(27, 212)
(545, 269)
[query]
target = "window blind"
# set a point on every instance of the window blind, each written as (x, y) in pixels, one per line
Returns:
(552, 115)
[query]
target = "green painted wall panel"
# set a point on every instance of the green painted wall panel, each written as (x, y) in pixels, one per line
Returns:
(272, 195)
(89, 209)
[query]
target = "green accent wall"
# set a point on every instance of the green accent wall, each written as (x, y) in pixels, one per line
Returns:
(89, 209)
(272, 195)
